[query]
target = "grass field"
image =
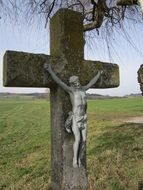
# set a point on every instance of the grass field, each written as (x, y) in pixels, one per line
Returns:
(114, 148)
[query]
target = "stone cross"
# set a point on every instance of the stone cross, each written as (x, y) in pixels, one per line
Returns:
(67, 59)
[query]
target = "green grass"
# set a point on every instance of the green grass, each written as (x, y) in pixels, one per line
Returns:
(114, 148)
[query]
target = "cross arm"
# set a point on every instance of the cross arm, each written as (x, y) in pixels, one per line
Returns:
(23, 69)
(109, 78)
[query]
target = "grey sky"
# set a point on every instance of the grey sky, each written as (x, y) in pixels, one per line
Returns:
(35, 39)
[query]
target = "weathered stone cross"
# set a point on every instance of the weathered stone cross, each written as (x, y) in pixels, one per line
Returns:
(67, 59)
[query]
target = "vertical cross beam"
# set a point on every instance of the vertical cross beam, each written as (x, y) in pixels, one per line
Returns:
(66, 42)
(67, 57)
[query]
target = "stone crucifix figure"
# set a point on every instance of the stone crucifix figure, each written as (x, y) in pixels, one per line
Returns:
(23, 69)
(78, 116)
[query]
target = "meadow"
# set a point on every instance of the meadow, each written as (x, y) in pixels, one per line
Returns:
(114, 147)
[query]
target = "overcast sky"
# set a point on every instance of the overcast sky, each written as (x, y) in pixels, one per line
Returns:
(127, 53)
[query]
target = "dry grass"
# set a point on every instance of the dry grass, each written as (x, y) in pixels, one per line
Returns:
(114, 148)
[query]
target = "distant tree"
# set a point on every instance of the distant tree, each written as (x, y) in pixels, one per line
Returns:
(140, 78)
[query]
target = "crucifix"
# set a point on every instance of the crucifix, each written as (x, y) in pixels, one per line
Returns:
(67, 59)
(76, 121)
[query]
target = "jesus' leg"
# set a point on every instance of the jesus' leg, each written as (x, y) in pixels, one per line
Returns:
(84, 134)
(76, 133)
(83, 141)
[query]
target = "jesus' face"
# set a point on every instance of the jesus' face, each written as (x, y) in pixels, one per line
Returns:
(74, 81)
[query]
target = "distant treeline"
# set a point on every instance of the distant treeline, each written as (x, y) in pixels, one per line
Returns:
(47, 96)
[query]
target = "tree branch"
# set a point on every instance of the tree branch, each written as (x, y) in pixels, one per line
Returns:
(100, 10)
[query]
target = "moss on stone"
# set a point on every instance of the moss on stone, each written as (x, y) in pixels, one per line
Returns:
(23, 69)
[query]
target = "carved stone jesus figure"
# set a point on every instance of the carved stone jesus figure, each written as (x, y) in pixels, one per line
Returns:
(78, 115)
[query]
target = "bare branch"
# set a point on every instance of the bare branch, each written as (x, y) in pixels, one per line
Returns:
(95, 12)
(100, 10)
(126, 2)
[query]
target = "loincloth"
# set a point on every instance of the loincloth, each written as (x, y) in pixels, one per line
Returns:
(80, 121)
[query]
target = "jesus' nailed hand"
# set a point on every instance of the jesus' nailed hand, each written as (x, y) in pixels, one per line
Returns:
(78, 116)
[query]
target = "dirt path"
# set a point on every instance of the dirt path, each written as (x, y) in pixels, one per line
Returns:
(135, 119)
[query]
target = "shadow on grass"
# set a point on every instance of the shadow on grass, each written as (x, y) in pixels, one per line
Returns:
(124, 136)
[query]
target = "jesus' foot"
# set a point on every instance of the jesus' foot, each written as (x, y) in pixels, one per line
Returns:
(79, 163)
(75, 165)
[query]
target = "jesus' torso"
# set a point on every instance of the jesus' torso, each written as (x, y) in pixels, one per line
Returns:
(79, 103)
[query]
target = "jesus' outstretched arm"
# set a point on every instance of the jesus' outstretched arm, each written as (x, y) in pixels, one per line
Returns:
(65, 87)
(93, 81)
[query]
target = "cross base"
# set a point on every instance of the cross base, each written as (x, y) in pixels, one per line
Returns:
(76, 179)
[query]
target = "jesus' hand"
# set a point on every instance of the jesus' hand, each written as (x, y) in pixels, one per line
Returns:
(47, 66)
